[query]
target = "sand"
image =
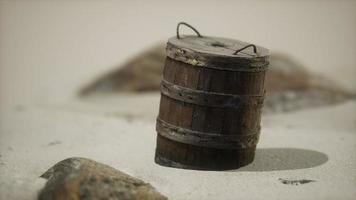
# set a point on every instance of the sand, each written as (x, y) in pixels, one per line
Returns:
(49, 50)
(318, 146)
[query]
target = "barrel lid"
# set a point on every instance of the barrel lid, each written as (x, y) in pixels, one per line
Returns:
(216, 52)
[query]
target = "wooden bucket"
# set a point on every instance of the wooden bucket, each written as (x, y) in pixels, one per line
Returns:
(212, 93)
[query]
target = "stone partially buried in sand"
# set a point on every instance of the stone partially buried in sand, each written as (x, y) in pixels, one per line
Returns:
(142, 73)
(80, 178)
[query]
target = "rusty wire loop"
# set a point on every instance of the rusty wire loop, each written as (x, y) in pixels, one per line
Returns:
(183, 23)
(250, 45)
(199, 35)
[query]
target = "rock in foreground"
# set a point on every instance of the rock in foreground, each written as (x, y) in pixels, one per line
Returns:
(80, 178)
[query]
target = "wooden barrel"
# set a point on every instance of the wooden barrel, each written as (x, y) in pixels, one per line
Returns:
(211, 100)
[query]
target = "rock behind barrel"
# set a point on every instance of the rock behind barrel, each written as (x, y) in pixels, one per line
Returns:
(289, 84)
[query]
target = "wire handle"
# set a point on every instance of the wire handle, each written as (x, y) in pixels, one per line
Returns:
(183, 23)
(243, 48)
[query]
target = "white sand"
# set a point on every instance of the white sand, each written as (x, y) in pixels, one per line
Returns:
(49, 49)
(315, 144)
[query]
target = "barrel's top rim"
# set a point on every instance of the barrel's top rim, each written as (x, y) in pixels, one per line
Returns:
(217, 46)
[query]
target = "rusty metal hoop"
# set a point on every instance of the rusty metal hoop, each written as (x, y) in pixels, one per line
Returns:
(194, 29)
(243, 48)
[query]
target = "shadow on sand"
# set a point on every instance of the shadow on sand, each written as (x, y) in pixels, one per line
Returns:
(275, 159)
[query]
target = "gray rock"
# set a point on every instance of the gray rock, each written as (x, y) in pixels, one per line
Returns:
(80, 178)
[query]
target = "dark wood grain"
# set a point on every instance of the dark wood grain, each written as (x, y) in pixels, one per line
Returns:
(210, 115)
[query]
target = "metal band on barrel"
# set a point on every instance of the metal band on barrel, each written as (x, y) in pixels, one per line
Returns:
(210, 99)
(211, 140)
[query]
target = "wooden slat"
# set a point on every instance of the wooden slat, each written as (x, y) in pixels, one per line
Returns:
(205, 118)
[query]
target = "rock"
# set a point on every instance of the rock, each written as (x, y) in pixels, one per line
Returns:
(292, 100)
(80, 178)
(295, 182)
(143, 73)
(289, 85)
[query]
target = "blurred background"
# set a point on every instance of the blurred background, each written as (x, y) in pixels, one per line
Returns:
(72, 70)
(50, 48)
